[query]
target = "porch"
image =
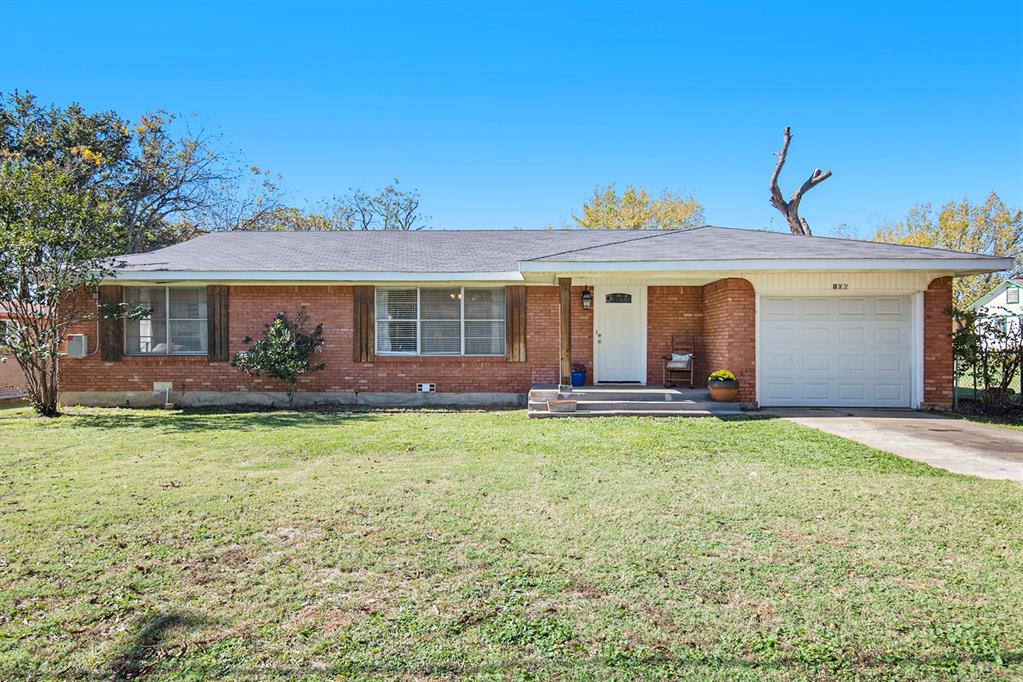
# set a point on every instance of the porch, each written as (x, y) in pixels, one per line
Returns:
(610, 400)
(622, 330)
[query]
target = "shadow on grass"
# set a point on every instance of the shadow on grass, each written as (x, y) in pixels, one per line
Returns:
(148, 642)
(213, 419)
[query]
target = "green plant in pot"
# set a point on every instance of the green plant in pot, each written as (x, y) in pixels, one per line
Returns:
(723, 386)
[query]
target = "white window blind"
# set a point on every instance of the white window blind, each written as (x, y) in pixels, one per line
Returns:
(8, 332)
(397, 320)
(484, 321)
(176, 323)
(440, 320)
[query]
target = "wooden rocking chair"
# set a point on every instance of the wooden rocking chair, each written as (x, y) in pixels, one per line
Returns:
(680, 361)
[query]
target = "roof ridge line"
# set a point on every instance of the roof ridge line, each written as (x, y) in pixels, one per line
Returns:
(659, 233)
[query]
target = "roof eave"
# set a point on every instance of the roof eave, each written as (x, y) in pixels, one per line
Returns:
(959, 266)
(310, 276)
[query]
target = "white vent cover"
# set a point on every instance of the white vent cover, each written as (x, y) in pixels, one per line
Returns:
(426, 388)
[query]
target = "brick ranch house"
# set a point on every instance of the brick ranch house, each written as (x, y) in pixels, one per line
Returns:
(484, 315)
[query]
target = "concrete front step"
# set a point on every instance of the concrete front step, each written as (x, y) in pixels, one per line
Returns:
(544, 414)
(585, 405)
(621, 393)
(608, 400)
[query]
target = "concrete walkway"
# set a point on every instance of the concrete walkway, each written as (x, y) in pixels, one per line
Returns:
(957, 445)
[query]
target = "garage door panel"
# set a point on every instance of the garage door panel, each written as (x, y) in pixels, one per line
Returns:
(889, 336)
(889, 363)
(816, 362)
(888, 306)
(815, 306)
(816, 391)
(838, 351)
(852, 306)
(888, 392)
(851, 363)
(814, 336)
(774, 308)
(782, 362)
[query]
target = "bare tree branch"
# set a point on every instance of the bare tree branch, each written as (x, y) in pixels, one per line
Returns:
(790, 208)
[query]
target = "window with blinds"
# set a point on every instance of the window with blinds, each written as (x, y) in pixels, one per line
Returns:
(8, 333)
(440, 320)
(176, 323)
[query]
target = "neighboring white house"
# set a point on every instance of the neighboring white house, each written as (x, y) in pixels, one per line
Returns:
(1002, 305)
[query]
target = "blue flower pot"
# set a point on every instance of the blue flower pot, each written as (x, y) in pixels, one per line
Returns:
(578, 378)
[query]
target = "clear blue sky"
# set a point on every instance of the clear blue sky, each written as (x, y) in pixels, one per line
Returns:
(507, 115)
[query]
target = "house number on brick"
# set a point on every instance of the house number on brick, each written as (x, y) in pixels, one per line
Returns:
(839, 285)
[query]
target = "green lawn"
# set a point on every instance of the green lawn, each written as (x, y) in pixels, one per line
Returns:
(488, 546)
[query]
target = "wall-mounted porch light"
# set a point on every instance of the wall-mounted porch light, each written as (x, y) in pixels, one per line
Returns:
(587, 299)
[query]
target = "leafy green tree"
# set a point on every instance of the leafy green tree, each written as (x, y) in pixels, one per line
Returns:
(55, 238)
(159, 174)
(285, 352)
(634, 209)
(987, 344)
(990, 228)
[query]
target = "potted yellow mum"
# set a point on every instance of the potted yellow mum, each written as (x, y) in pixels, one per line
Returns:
(723, 386)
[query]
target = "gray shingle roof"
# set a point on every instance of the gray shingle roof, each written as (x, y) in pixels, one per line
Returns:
(482, 251)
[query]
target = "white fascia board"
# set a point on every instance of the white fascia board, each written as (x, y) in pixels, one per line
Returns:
(955, 265)
(313, 277)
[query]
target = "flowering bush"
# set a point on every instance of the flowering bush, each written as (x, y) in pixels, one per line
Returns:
(722, 375)
(578, 367)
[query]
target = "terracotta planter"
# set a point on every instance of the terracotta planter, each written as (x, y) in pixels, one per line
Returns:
(723, 391)
(561, 406)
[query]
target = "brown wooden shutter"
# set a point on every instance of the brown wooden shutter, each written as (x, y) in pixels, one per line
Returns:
(515, 323)
(218, 337)
(111, 323)
(364, 319)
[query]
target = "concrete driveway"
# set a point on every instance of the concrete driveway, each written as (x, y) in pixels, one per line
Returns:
(954, 444)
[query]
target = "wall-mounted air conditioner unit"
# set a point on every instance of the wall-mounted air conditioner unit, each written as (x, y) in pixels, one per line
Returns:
(77, 345)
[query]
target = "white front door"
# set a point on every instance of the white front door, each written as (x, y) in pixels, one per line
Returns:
(619, 333)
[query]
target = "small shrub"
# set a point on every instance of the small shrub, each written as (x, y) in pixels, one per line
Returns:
(284, 353)
(722, 375)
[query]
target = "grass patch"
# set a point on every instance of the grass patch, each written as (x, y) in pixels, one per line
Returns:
(194, 545)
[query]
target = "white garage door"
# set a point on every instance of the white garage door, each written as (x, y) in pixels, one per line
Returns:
(846, 351)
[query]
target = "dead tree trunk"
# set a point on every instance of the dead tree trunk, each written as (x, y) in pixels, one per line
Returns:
(790, 208)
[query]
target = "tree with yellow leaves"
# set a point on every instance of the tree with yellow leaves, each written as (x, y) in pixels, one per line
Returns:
(634, 209)
(990, 228)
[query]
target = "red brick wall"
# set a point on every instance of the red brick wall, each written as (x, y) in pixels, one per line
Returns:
(582, 331)
(10, 374)
(729, 331)
(672, 311)
(251, 307)
(938, 368)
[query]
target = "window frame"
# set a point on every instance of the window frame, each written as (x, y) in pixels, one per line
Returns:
(8, 330)
(418, 319)
(1012, 290)
(167, 323)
